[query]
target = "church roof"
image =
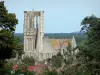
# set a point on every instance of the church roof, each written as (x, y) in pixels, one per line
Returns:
(55, 44)
(58, 43)
(51, 45)
(47, 48)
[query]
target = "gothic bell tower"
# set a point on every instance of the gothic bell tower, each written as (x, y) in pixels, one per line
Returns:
(33, 32)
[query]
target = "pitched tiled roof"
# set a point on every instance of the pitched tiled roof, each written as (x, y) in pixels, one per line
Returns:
(58, 43)
(55, 44)
(65, 43)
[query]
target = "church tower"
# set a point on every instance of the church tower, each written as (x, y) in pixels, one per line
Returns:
(33, 32)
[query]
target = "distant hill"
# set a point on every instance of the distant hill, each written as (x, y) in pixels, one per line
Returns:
(78, 36)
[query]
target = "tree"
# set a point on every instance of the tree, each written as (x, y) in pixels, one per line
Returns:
(18, 48)
(92, 27)
(57, 60)
(8, 23)
(90, 50)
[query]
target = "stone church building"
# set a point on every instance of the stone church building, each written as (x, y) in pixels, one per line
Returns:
(35, 44)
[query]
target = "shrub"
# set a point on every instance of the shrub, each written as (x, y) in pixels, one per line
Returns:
(53, 72)
(28, 61)
(57, 61)
(6, 69)
(23, 69)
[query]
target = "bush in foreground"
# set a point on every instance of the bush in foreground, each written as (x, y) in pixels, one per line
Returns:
(28, 61)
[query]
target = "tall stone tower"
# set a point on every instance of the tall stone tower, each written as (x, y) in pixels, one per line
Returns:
(33, 32)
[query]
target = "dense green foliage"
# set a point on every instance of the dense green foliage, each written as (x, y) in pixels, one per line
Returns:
(18, 48)
(9, 45)
(56, 61)
(8, 22)
(90, 50)
(47, 72)
(28, 61)
(75, 70)
(6, 69)
(92, 26)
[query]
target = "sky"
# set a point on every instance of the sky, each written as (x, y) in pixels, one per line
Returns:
(60, 16)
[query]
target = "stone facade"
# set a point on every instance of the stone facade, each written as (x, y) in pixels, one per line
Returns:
(35, 44)
(34, 36)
